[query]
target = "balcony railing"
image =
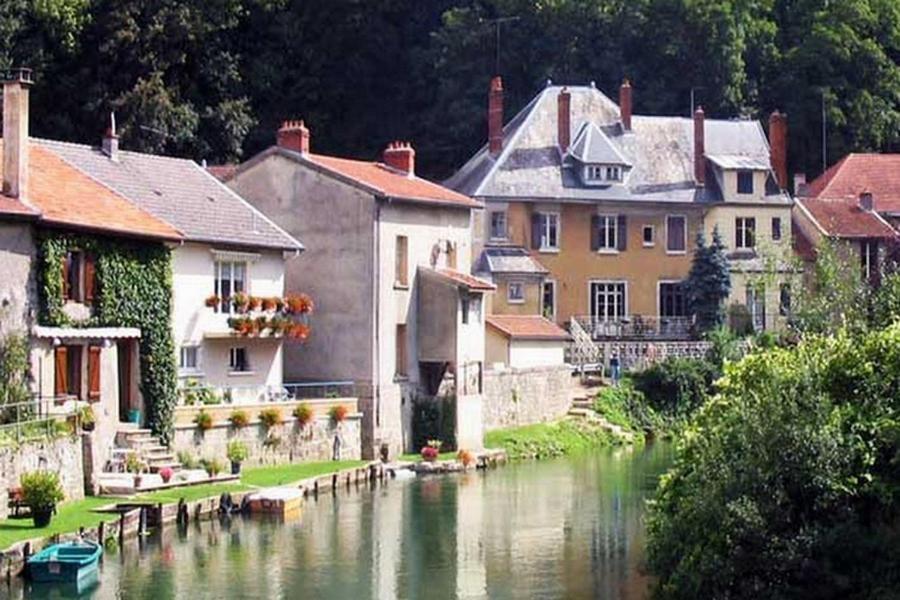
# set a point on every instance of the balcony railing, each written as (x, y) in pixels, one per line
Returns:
(639, 327)
(199, 393)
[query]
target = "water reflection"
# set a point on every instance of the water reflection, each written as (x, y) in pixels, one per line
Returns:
(559, 529)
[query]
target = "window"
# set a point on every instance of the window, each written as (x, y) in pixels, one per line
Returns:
(67, 371)
(548, 300)
(231, 279)
(869, 256)
(78, 277)
(515, 292)
(756, 304)
(776, 229)
(237, 361)
(613, 173)
(672, 302)
(188, 358)
(498, 225)
(745, 182)
(401, 356)
(744, 232)
(594, 173)
(603, 172)
(607, 300)
(471, 309)
(784, 301)
(676, 233)
(648, 234)
(606, 231)
(401, 269)
(548, 230)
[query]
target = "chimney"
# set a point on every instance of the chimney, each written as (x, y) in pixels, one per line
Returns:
(563, 120)
(699, 147)
(778, 147)
(867, 201)
(495, 116)
(625, 105)
(293, 135)
(401, 156)
(111, 140)
(15, 132)
(800, 184)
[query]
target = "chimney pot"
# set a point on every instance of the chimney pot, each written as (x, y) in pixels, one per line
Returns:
(564, 120)
(495, 116)
(293, 135)
(778, 147)
(867, 201)
(400, 156)
(699, 146)
(16, 85)
(800, 188)
(625, 106)
(111, 140)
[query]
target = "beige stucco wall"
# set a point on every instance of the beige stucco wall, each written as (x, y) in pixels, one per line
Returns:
(18, 293)
(723, 216)
(536, 353)
(499, 300)
(727, 180)
(496, 348)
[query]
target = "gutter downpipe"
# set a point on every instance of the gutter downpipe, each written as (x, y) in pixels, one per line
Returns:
(376, 425)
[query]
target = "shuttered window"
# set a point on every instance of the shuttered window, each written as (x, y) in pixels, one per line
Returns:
(676, 233)
(61, 371)
(67, 371)
(94, 373)
(79, 277)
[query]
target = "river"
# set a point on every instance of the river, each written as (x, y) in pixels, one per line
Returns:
(566, 528)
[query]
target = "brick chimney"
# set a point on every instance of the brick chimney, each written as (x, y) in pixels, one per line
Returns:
(293, 135)
(778, 147)
(111, 140)
(699, 147)
(867, 201)
(625, 104)
(564, 120)
(495, 117)
(800, 187)
(15, 132)
(401, 156)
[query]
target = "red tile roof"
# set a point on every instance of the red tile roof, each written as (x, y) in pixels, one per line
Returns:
(843, 217)
(857, 173)
(12, 207)
(223, 173)
(392, 183)
(531, 327)
(63, 195)
(473, 283)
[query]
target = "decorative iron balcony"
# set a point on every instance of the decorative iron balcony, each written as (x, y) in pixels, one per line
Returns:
(637, 327)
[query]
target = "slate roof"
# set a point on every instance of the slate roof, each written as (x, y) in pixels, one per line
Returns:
(592, 146)
(737, 161)
(660, 150)
(499, 260)
(180, 192)
(527, 327)
(60, 194)
(844, 218)
(857, 173)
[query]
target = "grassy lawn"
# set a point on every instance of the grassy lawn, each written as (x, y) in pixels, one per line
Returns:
(418, 457)
(192, 493)
(287, 474)
(69, 517)
(549, 439)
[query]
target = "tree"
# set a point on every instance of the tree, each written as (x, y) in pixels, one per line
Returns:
(14, 373)
(709, 282)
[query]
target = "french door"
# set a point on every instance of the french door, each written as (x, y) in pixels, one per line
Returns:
(608, 300)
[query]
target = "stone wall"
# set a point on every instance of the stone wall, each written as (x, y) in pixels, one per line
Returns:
(282, 443)
(514, 397)
(18, 293)
(61, 455)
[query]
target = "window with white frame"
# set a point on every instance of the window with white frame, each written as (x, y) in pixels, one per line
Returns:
(608, 300)
(745, 233)
(603, 172)
(868, 251)
(189, 358)
(607, 226)
(613, 173)
(237, 360)
(548, 299)
(515, 292)
(649, 235)
(676, 233)
(776, 229)
(498, 224)
(231, 279)
(745, 182)
(549, 229)
(672, 300)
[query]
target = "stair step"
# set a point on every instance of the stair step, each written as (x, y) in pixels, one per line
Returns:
(580, 412)
(157, 467)
(135, 432)
(158, 448)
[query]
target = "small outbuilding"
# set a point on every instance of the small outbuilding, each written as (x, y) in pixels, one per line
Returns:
(522, 341)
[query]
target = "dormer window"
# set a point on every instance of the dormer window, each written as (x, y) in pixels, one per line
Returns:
(600, 173)
(613, 174)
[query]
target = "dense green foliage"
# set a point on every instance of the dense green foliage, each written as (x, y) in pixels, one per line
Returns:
(212, 78)
(41, 489)
(787, 483)
(546, 440)
(708, 283)
(434, 419)
(13, 373)
(676, 387)
(134, 289)
(627, 407)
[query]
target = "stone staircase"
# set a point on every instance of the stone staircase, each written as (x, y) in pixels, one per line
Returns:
(583, 408)
(148, 447)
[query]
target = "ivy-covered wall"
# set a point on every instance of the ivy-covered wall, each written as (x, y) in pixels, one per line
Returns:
(134, 289)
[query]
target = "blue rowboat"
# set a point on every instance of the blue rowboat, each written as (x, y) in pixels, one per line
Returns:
(68, 562)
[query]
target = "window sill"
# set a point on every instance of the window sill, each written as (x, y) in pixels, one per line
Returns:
(514, 301)
(398, 378)
(676, 252)
(608, 251)
(651, 245)
(498, 239)
(401, 286)
(241, 373)
(548, 250)
(190, 373)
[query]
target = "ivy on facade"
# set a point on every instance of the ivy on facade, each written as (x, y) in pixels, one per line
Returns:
(134, 289)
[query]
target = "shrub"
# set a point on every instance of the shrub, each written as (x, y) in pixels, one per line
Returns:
(41, 490)
(303, 413)
(466, 457)
(134, 464)
(676, 387)
(187, 460)
(203, 420)
(212, 466)
(239, 418)
(270, 417)
(626, 407)
(338, 413)
(237, 451)
(739, 319)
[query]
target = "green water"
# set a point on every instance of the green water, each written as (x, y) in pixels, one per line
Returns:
(569, 528)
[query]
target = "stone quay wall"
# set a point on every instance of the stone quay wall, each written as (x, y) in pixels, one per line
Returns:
(515, 397)
(61, 455)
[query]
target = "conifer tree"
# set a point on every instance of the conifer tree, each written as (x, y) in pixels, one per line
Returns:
(708, 283)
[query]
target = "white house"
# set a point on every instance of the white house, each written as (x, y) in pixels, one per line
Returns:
(522, 341)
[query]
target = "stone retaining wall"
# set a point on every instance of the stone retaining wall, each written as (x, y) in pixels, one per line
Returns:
(514, 397)
(282, 443)
(62, 455)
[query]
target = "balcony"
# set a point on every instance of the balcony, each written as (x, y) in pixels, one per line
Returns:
(637, 327)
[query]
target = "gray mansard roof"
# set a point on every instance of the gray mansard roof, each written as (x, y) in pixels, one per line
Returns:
(180, 192)
(498, 260)
(659, 149)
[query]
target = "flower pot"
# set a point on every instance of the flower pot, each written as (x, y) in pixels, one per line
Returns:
(41, 515)
(134, 416)
(88, 426)
(235, 468)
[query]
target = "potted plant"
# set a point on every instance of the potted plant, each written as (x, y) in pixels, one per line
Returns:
(239, 419)
(338, 413)
(166, 474)
(431, 450)
(42, 491)
(466, 457)
(213, 466)
(135, 466)
(203, 420)
(270, 417)
(240, 302)
(237, 453)
(304, 414)
(270, 304)
(212, 301)
(255, 302)
(88, 421)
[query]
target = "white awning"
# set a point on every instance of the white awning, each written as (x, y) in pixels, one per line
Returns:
(41, 331)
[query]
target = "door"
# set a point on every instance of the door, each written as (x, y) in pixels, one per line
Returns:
(607, 307)
(548, 300)
(125, 371)
(756, 304)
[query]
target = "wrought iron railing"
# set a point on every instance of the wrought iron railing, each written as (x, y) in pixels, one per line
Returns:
(637, 327)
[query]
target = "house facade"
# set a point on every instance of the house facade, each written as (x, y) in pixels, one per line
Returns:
(610, 203)
(388, 257)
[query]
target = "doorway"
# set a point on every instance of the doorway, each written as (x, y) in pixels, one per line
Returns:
(124, 348)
